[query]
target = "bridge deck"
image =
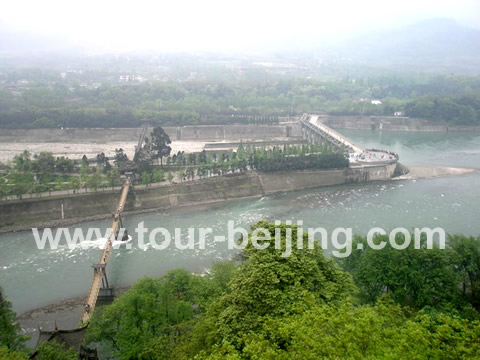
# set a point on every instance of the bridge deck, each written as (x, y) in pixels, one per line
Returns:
(357, 154)
(101, 266)
(339, 137)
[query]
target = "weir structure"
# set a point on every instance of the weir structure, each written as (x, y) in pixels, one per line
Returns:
(314, 131)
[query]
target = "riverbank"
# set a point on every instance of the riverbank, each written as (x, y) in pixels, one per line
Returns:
(64, 314)
(67, 311)
(199, 194)
(44, 212)
(430, 172)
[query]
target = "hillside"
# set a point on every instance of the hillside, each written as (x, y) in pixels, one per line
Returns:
(438, 45)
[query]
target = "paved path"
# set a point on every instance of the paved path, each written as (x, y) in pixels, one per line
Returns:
(340, 138)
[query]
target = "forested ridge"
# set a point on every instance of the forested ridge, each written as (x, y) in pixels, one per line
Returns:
(34, 98)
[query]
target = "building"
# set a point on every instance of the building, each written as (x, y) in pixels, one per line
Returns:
(69, 339)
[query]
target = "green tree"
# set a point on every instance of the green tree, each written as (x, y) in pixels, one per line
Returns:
(23, 161)
(44, 166)
(157, 176)
(6, 354)
(120, 157)
(101, 159)
(22, 182)
(465, 253)
(51, 350)
(414, 277)
(270, 285)
(84, 160)
(9, 329)
(383, 331)
(75, 184)
(94, 181)
(64, 165)
(114, 177)
(160, 143)
(151, 310)
(146, 177)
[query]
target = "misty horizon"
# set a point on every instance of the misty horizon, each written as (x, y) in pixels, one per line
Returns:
(211, 26)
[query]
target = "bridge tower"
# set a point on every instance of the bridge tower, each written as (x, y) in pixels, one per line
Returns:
(106, 292)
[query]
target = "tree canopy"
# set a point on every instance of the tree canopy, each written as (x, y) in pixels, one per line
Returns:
(302, 306)
(159, 143)
(10, 332)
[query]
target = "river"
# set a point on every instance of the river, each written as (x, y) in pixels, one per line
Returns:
(32, 278)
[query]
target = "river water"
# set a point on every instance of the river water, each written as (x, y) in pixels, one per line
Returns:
(33, 278)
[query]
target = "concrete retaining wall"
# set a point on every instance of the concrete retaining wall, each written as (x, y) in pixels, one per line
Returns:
(391, 123)
(230, 187)
(187, 133)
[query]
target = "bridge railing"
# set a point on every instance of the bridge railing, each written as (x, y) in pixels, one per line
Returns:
(334, 141)
(362, 156)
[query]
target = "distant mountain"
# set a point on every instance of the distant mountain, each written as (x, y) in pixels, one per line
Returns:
(24, 43)
(434, 45)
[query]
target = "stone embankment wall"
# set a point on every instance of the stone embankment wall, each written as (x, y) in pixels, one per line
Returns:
(186, 133)
(252, 184)
(395, 123)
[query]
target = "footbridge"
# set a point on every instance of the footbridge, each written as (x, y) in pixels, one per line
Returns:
(73, 338)
(317, 132)
(100, 284)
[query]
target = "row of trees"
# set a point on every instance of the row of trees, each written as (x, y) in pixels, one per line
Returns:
(268, 159)
(303, 162)
(44, 173)
(39, 173)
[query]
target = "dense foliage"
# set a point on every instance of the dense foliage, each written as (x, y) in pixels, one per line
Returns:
(27, 174)
(382, 331)
(52, 350)
(388, 304)
(302, 162)
(419, 278)
(10, 332)
(456, 110)
(142, 321)
(34, 98)
(302, 306)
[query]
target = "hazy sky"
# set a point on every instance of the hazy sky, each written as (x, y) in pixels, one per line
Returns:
(173, 25)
